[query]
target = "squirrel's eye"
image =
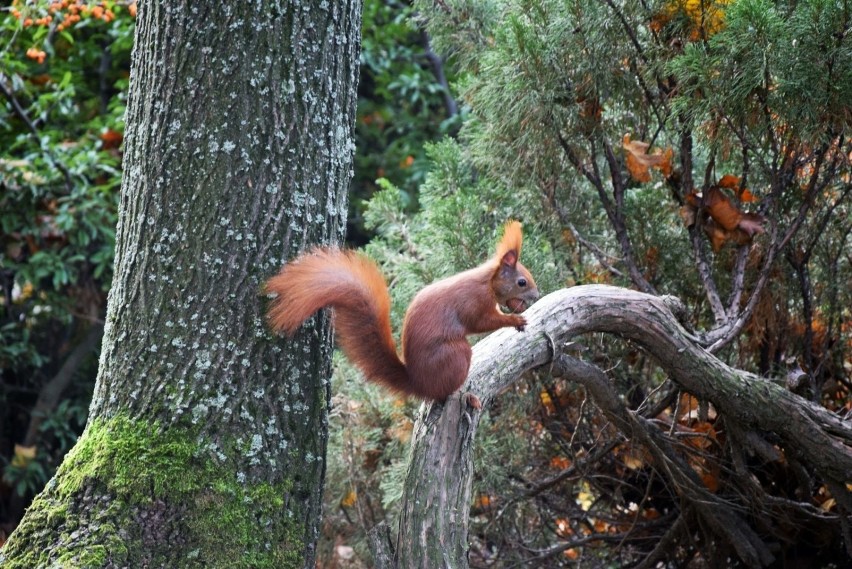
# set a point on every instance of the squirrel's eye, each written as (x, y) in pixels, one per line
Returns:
(522, 282)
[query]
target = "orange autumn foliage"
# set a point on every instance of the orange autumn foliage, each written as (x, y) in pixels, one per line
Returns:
(710, 481)
(819, 332)
(111, 139)
(349, 500)
(704, 17)
(639, 162)
(720, 208)
(721, 219)
(563, 527)
(546, 401)
(483, 502)
(560, 463)
(746, 196)
(731, 182)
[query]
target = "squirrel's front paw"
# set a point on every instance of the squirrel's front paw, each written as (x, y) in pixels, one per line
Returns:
(520, 323)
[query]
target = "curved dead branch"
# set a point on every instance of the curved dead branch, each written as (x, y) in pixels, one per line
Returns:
(437, 494)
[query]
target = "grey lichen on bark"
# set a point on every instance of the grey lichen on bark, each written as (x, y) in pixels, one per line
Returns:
(238, 154)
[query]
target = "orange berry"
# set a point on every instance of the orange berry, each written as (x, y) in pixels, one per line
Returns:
(36, 54)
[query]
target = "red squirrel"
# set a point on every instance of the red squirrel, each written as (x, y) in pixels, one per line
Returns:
(436, 353)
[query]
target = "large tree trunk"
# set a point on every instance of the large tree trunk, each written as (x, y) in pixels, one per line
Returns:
(206, 438)
(436, 500)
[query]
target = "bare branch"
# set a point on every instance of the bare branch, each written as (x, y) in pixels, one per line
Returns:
(440, 475)
(436, 63)
(618, 221)
(614, 212)
(718, 514)
(738, 280)
(697, 241)
(601, 256)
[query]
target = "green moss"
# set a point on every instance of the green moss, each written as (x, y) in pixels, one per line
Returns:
(150, 473)
(122, 453)
(92, 556)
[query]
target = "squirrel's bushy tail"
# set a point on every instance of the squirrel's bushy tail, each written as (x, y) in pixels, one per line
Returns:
(354, 287)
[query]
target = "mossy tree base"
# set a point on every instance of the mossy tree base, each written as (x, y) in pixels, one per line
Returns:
(131, 494)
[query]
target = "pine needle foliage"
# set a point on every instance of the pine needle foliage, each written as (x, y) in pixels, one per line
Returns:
(615, 129)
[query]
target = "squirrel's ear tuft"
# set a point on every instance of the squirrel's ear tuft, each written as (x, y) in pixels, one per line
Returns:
(511, 241)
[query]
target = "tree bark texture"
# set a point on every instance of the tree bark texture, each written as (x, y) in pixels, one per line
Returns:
(437, 497)
(206, 437)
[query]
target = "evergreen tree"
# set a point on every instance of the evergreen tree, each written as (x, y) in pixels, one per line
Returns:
(698, 150)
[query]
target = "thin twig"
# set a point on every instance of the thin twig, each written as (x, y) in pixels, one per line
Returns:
(22, 114)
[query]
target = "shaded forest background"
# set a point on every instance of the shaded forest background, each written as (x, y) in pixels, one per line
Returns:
(696, 149)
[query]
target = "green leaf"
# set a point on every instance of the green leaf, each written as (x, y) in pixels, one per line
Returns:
(66, 80)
